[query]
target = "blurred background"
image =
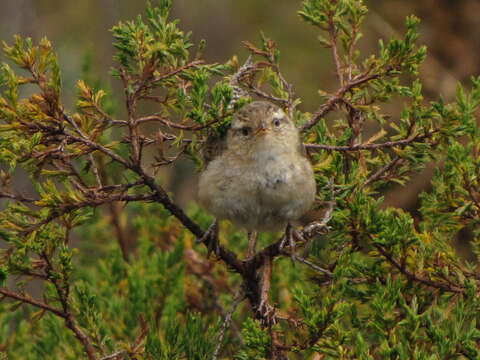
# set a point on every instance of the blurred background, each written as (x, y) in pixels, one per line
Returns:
(80, 29)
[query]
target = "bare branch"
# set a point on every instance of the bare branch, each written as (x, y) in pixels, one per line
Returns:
(382, 170)
(315, 267)
(358, 147)
(29, 300)
(262, 94)
(226, 323)
(16, 197)
(336, 57)
(171, 124)
(175, 72)
(115, 355)
(338, 97)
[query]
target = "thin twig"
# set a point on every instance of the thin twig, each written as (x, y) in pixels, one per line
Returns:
(272, 98)
(337, 98)
(336, 57)
(63, 292)
(314, 267)
(95, 146)
(359, 147)
(114, 355)
(382, 171)
(92, 203)
(177, 71)
(94, 166)
(413, 276)
(28, 300)
(16, 197)
(123, 241)
(171, 124)
(226, 323)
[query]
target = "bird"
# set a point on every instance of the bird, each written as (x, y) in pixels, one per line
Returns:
(258, 175)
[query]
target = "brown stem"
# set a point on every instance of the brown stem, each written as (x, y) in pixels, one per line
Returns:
(28, 300)
(65, 209)
(226, 323)
(265, 284)
(267, 96)
(16, 197)
(414, 277)
(359, 147)
(63, 292)
(171, 124)
(336, 56)
(162, 197)
(338, 97)
(115, 211)
(79, 334)
(382, 171)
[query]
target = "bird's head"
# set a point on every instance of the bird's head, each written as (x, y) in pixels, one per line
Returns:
(261, 124)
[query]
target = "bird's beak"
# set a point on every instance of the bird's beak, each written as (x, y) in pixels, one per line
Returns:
(261, 130)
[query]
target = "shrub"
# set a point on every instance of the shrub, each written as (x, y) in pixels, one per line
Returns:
(101, 262)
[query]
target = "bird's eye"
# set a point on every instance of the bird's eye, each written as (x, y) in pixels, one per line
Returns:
(276, 122)
(245, 131)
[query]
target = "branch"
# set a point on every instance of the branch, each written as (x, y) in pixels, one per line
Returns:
(414, 277)
(176, 71)
(382, 171)
(95, 146)
(115, 355)
(306, 233)
(16, 197)
(359, 147)
(226, 323)
(162, 197)
(63, 314)
(28, 300)
(315, 267)
(68, 208)
(338, 97)
(336, 58)
(175, 125)
(63, 292)
(262, 94)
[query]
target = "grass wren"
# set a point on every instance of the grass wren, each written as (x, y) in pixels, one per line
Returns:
(259, 178)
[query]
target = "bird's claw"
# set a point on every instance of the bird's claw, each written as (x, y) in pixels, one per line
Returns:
(267, 313)
(210, 239)
(289, 240)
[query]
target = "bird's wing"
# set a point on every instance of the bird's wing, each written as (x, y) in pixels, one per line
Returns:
(214, 146)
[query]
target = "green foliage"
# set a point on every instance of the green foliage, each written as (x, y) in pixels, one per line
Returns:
(100, 262)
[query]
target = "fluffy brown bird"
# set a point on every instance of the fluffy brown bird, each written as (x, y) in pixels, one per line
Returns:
(260, 178)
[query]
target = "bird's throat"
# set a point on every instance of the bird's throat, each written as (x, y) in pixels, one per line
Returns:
(268, 153)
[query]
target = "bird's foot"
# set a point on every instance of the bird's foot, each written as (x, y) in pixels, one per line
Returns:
(267, 313)
(289, 240)
(210, 239)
